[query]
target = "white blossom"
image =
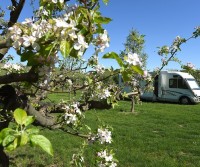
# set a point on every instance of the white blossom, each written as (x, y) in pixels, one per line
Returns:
(70, 118)
(56, 1)
(65, 107)
(164, 61)
(61, 23)
(67, 15)
(6, 66)
(103, 41)
(36, 46)
(72, 34)
(81, 45)
(134, 82)
(17, 41)
(104, 94)
(147, 76)
(28, 21)
(45, 12)
(113, 164)
(39, 29)
(104, 136)
(190, 65)
(75, 105)
(133, 59)
(102, 154)
(69, 81)
(16, 67)
(109, 158)
(99, 68)
(106, 159)
(12, 8)
(107, 93)
(28, 40)
(11, 67)
(72, 113)
(15, 30)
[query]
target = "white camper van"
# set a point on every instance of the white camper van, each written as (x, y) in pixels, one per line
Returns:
(174, 86)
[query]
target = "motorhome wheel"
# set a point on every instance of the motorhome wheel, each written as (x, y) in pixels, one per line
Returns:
(185, 100)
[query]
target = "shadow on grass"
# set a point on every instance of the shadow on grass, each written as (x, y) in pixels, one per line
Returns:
(24, 160)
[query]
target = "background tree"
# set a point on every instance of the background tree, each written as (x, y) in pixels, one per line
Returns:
(135, 43)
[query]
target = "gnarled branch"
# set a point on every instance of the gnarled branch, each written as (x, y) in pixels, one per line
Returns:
(16, 77)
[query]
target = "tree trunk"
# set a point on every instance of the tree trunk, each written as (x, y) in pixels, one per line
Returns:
(133, 104)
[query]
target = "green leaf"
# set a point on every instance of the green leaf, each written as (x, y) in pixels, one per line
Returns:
(105, 2)
(20, 116)
(32, 131)
(14, 144)
(1, 138)
(11, 147)
(29, 120)
(27, 56)
(74, 53)
(83, 11)
(6, 131)
(137, 69)
(23, 139)
(113, 55)
(43, 142)
(102, 20)
(126, 75)
(45, 50)
(8, 140)
(65, 48)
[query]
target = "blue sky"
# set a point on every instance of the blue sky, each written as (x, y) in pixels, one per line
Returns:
(159, 20)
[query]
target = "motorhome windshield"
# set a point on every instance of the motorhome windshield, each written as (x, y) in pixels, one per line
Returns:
(193, 84)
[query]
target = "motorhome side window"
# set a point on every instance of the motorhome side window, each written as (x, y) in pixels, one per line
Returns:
(177, 82)
(173, 83)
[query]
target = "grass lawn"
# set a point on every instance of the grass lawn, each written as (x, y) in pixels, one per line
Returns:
(159, 134)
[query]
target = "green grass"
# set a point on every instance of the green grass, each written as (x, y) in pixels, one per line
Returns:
(64, 96)
(159, 134)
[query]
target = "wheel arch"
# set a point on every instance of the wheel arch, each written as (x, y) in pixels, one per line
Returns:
(184, 99)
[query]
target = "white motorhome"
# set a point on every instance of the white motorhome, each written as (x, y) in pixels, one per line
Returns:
(174, 86)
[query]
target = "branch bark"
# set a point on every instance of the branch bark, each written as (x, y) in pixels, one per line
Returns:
(3, 48)
(4, 44)
(14, 14)
(40, 118)
(16, 77)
